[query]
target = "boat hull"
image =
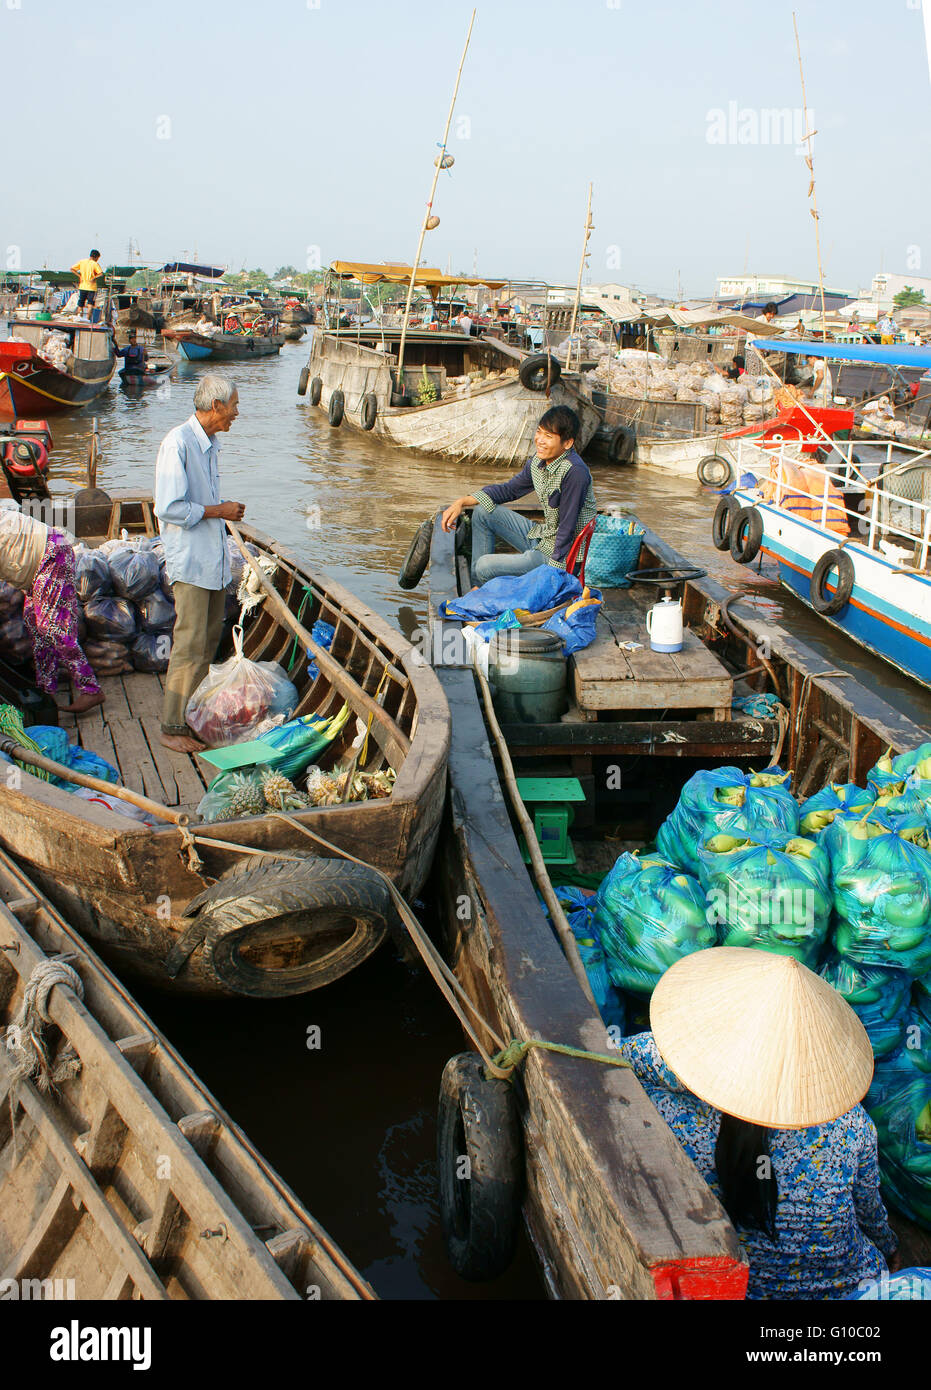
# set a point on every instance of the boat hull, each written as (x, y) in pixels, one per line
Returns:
(44, 390)
(682, 456)
(224, 347)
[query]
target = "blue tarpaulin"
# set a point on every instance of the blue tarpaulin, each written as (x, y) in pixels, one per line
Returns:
(892, 355)
(208, 272)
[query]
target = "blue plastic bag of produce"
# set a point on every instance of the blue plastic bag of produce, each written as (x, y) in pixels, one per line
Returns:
(576, 626)
(878, 994)
(577, 905)
(134, 571)
(110, 617)
(539, 589)
(323, 634)
(899, 1103)
(156, 612)
(53, 742)
(768, 889)
(151, 651)
(648, 915)
(914, 766)
(91, 575)
(835, 799)
(725, 800)
(881, 877)
(302, 740)
(91, 764)
(895, 806)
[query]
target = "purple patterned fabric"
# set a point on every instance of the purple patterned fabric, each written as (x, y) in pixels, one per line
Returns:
(50, 614)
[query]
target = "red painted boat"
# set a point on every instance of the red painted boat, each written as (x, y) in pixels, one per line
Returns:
(32, 384)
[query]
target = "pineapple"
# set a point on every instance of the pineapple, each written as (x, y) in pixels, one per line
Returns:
(247, 798)
(281, 794)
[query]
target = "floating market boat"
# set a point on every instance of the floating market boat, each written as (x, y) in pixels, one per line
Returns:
(468, 398)
(162, 906)
(56, 365)
(125, 1178)
(239, 339)
(613, 1206)
(874, 585)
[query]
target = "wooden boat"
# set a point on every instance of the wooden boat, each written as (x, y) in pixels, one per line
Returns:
(225, 347)
(130, 888)
(128, 1179)
(613, 1206)
(488, 395)
(31, 386)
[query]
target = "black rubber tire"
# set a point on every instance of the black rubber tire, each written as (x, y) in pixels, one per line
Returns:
(722, 521)
(336, 408)
(417, 557)
(480, 1212)
(622, 444)
(533, 371)
(369, 410)
(715, 471)
(316, 390)
(302, 381)
(343, 909)
(746, 535)
(823, 602)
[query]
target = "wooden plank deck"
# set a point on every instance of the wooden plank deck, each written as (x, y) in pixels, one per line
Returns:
(606, 678)
(126, 730)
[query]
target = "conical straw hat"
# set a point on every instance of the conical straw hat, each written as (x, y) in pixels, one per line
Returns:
(761, 1037)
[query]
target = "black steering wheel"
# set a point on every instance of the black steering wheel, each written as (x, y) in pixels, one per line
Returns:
(666, 575)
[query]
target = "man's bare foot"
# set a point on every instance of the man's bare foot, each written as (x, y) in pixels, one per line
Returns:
(183, 743)
(82, 703)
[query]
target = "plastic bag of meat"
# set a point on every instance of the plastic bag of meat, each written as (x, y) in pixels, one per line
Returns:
(238, 696)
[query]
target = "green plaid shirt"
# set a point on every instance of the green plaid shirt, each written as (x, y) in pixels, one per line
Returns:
(566, 494)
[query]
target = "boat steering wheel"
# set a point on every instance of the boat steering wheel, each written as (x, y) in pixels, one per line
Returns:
(665, 576)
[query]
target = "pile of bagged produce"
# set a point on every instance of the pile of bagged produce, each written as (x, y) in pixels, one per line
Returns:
(643, 375)
(15, 642)
(841, 882)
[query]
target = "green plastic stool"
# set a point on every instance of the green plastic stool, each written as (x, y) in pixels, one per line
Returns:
(551, 799)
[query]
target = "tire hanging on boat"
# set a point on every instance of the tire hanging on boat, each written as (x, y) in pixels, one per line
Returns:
(302, 381)
(369, 410)
(721, 522)
(534, 372)
(822, 600)
(328, 915)
(746, 535)
(481, 1167)
(714, 471)
(336, 408)
(316, 390)
(417, 557)
(622, 444)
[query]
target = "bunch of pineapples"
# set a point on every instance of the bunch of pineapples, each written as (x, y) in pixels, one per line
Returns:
(253, 793)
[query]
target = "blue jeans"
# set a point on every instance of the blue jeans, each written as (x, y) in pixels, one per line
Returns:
(501, 524)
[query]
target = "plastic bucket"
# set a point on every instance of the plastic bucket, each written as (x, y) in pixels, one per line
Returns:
(527, 672)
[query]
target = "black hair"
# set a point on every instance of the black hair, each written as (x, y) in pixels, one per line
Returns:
(95, 255)
(561, 420)
(745, 1172)
(770, 308)
(739, 360)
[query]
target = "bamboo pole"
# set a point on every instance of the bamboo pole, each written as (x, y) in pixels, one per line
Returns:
(578, 288)
(399, 378)
(809, 160)
(9, 746)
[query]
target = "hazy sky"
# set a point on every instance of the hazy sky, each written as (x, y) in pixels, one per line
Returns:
(272, 133)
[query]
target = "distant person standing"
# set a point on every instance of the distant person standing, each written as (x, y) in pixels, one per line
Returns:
(888, 328)
(89, 272)
(465, 323)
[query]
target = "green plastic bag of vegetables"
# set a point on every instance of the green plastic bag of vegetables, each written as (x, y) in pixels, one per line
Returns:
(882, 776)
(835, 799)
(899, 1103)
(878, 994)
(648, 915)
(725, 801)
(899, 802)
(768, 889)
(881, 878)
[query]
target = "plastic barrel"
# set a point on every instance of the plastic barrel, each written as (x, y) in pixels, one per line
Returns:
(527, 672)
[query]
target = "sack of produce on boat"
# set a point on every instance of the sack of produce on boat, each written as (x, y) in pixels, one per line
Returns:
(113, 803)
(329, 788)
(725, 800)
(11, 600)
(899, 1104)
(110, 617)
(56, 350)
(576, 626)
(881, 877)
(15, 641)
(895, 807)
(882, 776)
(151, 651)
(769, 889)
(301, 741)
(91, 764)
(915, 769)
(164, 582)
(878, 994)
(323, 634)
(91, 574)
(648, 914)
(239, 698)
(712, 404)
(614, 551)
(835, 799)
(156, 612)
(578, 905)
(134, 572)
(54, 743)
(752, 413)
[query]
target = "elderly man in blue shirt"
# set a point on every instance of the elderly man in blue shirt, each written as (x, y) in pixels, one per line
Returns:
(190, 516)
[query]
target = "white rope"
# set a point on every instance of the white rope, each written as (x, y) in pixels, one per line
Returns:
(26, 1052)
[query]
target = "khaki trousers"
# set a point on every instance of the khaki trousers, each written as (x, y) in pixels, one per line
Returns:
(198, 626)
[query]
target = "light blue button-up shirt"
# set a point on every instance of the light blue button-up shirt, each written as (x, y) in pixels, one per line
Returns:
(187, 479)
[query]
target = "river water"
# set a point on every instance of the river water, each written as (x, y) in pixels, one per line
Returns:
(350, 1124)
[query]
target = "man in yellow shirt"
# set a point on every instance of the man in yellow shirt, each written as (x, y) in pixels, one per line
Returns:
(90, 271)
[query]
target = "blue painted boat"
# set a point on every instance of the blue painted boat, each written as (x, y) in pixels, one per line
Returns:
(194, 352)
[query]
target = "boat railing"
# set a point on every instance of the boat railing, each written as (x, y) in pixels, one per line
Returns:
(899, 499)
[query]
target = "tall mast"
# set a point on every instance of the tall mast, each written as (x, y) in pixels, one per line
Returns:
(578, 289)
(809, 160)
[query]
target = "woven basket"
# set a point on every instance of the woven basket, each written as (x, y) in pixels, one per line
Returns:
(614, 551)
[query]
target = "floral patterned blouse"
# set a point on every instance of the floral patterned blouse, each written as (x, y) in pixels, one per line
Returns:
(831, 1226)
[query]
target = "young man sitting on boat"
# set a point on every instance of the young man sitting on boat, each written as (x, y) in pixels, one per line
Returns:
(190, 516)
(563, 486)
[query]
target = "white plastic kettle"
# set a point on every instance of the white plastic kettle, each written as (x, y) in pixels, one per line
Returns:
(664, 624)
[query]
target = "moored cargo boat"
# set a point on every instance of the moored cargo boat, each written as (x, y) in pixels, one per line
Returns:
(33, 385)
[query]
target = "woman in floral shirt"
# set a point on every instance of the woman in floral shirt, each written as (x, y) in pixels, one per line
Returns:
(804, 1198)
